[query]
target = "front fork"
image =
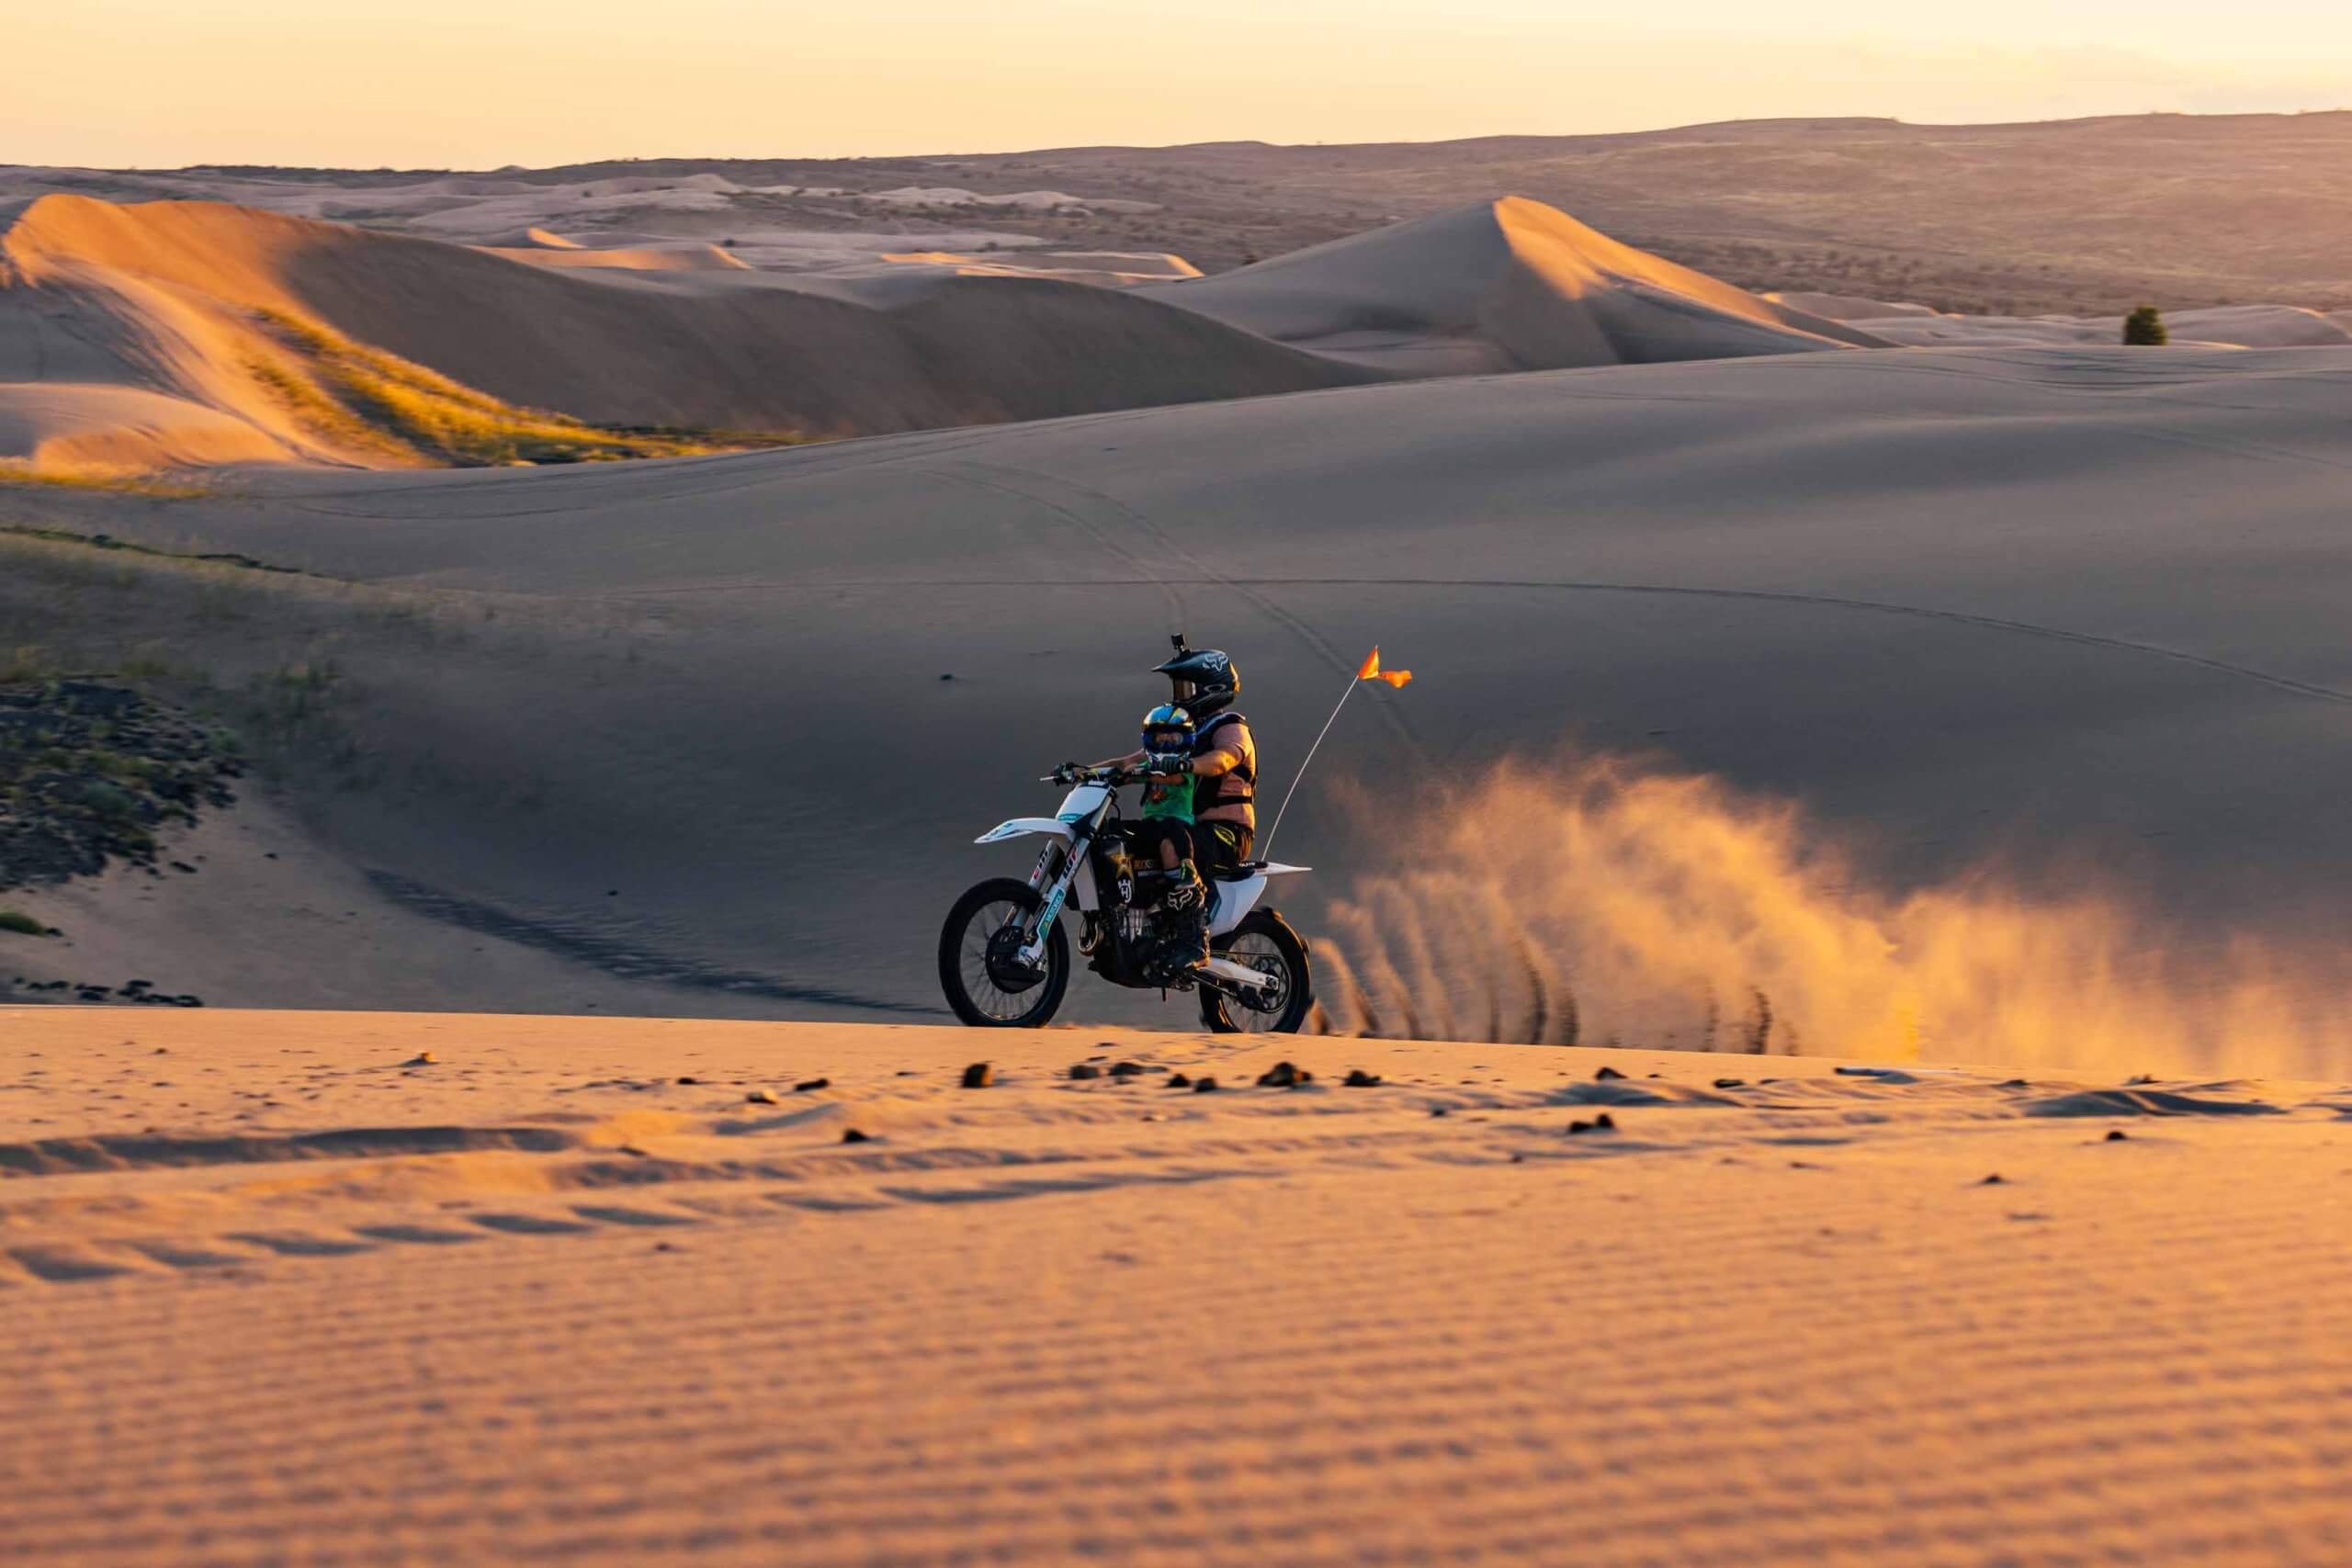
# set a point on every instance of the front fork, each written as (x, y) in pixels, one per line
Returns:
(1054, 882)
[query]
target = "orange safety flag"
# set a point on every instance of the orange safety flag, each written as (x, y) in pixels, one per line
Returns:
(1372, 671)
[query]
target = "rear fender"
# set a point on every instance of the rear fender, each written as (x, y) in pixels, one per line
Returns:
(1234, 900)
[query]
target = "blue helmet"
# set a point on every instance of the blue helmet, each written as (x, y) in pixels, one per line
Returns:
(1167, 738)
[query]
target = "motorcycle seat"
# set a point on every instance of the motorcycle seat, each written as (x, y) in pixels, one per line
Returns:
(1242, 872)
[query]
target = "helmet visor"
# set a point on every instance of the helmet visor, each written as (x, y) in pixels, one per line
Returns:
(1184, 689)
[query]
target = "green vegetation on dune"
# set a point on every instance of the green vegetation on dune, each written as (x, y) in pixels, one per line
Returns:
(245, 648)
(294, 664)
(18, 473)
(362, 397)
(2145, 327)
(89, 770)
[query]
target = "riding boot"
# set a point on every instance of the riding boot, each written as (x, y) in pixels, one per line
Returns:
(1188, 906)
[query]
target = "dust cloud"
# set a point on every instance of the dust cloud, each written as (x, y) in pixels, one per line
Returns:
(1602, 902)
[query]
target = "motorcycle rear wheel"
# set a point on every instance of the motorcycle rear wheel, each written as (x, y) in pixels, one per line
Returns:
(984, 982)
(1263, 941)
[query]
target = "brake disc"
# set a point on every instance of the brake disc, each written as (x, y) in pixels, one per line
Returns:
(1007, 973)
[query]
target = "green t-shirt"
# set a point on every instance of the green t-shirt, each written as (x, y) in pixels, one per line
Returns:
(1168, 799)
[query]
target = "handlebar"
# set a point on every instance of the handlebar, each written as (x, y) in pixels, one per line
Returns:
(1069, 774)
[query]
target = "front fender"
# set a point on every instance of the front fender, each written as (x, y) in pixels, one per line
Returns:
(1021, 826)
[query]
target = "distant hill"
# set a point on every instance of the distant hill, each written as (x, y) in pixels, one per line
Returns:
(2086, 216)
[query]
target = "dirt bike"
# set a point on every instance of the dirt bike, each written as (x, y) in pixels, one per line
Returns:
(1004, 956)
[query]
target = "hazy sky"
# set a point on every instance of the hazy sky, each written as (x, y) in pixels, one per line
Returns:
(480, 83)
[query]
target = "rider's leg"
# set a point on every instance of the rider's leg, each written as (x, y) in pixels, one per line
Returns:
(1218, 846)
(1187, 898)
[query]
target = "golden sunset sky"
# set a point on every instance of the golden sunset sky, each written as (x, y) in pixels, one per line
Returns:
(483, 82)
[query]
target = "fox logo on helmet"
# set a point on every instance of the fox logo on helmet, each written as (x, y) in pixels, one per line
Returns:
(1204, 679)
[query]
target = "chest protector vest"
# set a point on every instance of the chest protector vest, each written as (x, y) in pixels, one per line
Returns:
(1238, 787)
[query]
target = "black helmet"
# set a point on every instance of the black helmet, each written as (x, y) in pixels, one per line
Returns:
(1204, 679)
(1168, 737)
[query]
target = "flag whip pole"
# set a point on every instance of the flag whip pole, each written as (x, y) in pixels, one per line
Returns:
(1266, 849)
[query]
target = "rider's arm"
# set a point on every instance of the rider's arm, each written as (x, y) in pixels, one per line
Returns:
(1132, 760)
(1210, 764)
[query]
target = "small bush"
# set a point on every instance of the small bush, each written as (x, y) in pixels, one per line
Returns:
(16, 920)
(88, 770)
(2145, 327)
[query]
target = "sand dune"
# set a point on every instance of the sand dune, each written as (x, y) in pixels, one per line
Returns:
(567, 1291)
(216, 305)
(664, 258)
(1114, 270)
(227, 308)
(2072, 613)
(63, 427)
(1034, 200)
(1847, 307)
(1510, 285)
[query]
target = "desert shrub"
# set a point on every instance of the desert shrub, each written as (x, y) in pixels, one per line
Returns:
(89, 770)
(16, 920)
(367, 398)
(2145, 327)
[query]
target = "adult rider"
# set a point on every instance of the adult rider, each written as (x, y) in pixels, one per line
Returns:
(1205, 682)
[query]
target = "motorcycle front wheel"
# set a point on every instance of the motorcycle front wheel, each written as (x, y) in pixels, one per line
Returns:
(1264, 942)
(979, 962)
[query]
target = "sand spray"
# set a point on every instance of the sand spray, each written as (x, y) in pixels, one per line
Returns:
(1603, 901)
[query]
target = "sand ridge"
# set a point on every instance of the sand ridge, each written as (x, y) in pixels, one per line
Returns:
(623, 1289)
(1509, 285)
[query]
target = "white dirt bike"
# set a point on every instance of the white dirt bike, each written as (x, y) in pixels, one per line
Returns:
(1004, 957)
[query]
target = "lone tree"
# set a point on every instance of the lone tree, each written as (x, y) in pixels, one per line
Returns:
(2145, 327)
